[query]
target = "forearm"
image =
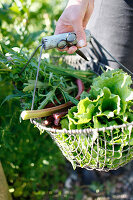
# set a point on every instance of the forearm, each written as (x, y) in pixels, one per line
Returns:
(85, 4)
(86, 8)
(82, 3)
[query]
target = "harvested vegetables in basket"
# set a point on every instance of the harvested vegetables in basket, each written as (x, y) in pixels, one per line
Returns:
(103, 141)
(108, 104)
(58, 89)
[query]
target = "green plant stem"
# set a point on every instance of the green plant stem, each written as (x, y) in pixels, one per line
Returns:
(30, 114)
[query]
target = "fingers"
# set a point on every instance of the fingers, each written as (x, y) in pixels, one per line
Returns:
(66, 49)
(81, 37)
(71, 50)
(69, 22)
(61, 28)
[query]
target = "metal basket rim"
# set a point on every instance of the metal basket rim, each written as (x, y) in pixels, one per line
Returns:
(80, 131)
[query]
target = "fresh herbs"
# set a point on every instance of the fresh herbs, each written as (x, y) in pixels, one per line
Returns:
(56, 84)
(49, 111)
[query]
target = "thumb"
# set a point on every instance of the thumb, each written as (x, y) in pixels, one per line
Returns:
(81, 37)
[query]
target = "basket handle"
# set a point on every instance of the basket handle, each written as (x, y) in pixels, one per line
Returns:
(62, 40)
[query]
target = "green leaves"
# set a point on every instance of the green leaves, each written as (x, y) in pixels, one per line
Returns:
(49, 97)
(108, 104)
(118, 83)
(31, 84)
(22, 25)
(85, 76)
(18, 95)
(85, 111)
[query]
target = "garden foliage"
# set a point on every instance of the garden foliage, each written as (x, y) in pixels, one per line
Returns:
(33, 165)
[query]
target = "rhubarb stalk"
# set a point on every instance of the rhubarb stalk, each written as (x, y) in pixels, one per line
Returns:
(30, 114)
(57, 117)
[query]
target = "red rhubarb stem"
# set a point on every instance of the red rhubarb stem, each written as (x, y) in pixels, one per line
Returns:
(58, 116)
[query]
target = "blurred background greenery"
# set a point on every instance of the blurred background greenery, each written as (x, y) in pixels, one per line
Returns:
(33, 165)
(23, 23)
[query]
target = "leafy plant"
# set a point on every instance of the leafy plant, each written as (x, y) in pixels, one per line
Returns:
(27, 21)
(107, 104)
(32, 163)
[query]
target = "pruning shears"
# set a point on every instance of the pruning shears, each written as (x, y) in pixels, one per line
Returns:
(61, 41)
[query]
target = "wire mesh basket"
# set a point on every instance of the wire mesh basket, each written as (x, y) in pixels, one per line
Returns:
(91, 148)
(99, 149)
(103, 149)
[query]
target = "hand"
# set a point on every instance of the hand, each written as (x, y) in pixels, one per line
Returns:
(74, 19)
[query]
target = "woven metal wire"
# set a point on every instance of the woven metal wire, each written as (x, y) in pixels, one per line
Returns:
(103, 149)
(94, 148)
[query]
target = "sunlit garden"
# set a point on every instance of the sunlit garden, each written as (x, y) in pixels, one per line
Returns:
(32, 167)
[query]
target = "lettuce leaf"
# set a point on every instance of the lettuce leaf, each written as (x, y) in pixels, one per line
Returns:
(117, 81)
(108, 103)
